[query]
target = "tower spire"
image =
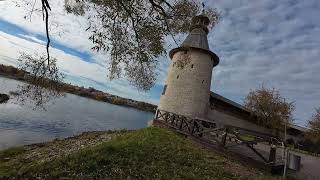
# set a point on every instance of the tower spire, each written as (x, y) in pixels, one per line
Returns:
(197, 38)
(203, 5)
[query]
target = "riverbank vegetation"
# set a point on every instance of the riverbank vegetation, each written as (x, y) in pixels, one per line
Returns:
(18, 74)
(4, 98)
(150, 153)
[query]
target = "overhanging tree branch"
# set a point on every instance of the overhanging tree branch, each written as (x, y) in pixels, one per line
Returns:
(45, 7)
(132, 31)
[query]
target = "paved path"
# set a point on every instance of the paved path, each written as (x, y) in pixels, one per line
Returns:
(310, 167)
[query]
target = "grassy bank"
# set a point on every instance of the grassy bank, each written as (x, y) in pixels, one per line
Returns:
(150, 153)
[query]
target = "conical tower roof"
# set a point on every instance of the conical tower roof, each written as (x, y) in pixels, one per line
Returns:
(197, 38)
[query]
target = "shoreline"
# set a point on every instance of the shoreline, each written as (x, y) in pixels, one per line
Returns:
(14, 73)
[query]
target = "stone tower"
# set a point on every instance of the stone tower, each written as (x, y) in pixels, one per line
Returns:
(187, 88)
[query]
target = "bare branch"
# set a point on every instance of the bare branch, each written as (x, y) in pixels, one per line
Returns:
(45, 7)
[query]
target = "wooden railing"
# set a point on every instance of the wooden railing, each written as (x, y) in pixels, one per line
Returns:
(189, 126)
(215, 133)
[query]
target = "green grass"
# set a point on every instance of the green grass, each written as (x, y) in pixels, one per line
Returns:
(12, 152)
(291, 147)
(247, 137)
(150, 153)
(8, 166)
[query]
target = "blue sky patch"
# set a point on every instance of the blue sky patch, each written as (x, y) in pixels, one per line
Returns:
(14, 30)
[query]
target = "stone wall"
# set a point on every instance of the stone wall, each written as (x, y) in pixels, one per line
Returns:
(228, 119)
(188, 88)
(225, 116)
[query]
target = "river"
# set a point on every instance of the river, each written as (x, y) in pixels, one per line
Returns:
(63, 117)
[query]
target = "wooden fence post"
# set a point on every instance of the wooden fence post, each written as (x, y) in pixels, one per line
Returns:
(273, 152)
(224, 138)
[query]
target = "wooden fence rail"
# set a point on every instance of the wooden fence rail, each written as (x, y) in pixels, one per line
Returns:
(215, 133)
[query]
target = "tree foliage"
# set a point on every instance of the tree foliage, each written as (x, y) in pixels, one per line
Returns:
(44, 80)
(271, 109)
(134, 32)
(314, 124)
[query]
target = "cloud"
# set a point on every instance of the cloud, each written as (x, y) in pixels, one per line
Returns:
(77, 71)
(32, 38)
(270, 42)
(64, 28)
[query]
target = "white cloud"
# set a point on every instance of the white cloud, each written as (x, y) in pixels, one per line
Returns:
(272, 42)
(64, 28)
(78, 71)
(32, 38)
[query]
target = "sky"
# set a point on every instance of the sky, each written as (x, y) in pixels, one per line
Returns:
(274, 43)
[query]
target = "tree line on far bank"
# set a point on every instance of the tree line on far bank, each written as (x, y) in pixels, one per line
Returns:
(40, 93)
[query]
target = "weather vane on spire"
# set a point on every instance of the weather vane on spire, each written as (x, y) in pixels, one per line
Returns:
(203, 7)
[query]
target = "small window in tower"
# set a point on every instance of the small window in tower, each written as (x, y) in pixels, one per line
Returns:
(191, 65)
(202, 81)
(178, 77)
(173, 64)
(164, 90)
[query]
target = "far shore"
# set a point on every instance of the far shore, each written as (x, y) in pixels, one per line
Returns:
(92, 93)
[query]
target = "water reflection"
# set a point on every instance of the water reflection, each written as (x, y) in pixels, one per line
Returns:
(63, 117)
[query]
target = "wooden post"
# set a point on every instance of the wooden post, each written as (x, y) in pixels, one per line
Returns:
(224, 138)
(273, 152)
(157, 113)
